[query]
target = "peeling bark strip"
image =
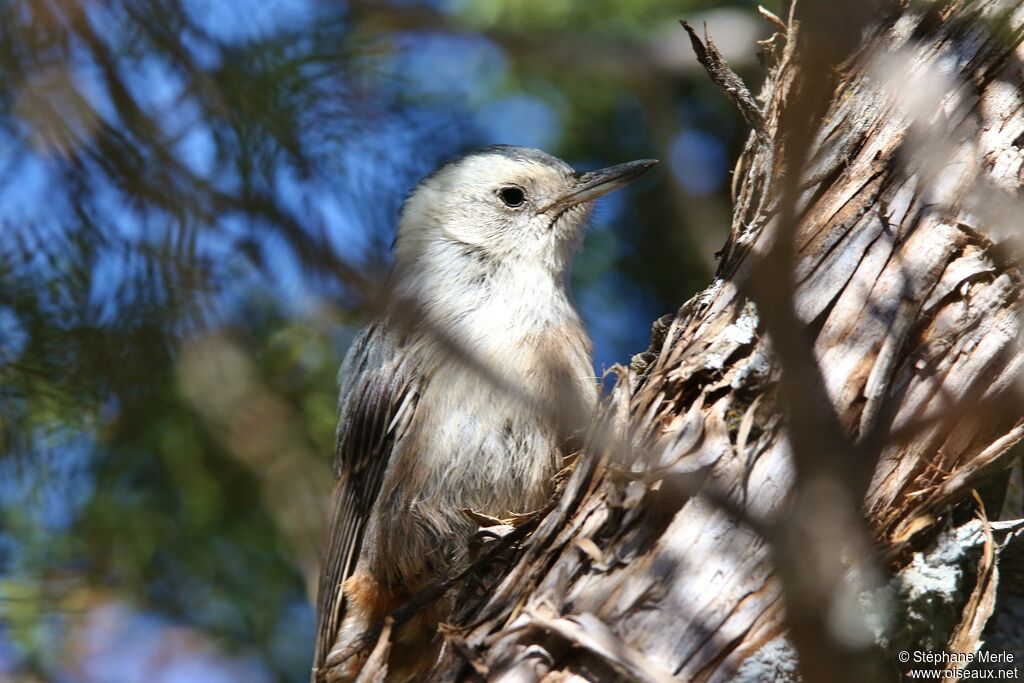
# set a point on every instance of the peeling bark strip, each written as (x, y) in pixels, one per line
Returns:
(913, 313)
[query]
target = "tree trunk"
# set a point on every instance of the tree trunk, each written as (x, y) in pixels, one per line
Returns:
(859, 343)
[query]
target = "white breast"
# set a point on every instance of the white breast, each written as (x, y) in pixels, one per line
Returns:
(491, 420)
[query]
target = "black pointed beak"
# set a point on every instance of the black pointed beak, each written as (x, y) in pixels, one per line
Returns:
(593, 184)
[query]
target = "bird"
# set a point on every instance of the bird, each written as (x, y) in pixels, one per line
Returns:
(461, 393)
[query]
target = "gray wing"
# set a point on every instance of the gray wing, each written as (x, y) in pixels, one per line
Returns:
(378, 391)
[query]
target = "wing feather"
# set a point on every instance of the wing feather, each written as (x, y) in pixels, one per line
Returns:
(378, 384)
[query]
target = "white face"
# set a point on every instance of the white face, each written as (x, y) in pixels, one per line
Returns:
(507, 205)
(494, 202)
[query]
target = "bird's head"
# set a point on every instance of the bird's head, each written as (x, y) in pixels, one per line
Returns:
(504, 205)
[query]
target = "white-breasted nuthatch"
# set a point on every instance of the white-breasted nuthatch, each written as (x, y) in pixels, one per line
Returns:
(459, 394)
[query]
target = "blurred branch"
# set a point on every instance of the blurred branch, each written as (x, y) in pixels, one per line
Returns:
(261, 430)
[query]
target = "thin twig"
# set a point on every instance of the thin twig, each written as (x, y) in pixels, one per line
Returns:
(773, 19)
(375, 670)
(714, 63)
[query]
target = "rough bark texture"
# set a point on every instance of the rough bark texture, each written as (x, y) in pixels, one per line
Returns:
(908, 291)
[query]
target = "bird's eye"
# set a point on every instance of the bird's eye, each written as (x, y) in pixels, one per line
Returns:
(512, 196)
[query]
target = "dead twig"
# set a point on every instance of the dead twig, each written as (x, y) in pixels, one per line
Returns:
(375, 670)
(714, 63)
